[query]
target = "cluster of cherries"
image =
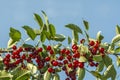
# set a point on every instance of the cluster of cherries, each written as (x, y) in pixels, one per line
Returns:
(65, 59)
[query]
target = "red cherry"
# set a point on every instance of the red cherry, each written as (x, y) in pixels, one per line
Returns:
(49, 48)
(60, 58)
(81, 64)
(40, 49)
(91, 43)
(14, 47)
(55, 63)
(47, 58)
(51, 52)
(92, 64)
(50, 69)
(70, 65)
(76, 55)
(20, 49)
(82, 41)
(67, 52)
(101, 50)
(69, 57)
(63, 51)
(8, 56)
(65, 61)
(23, 56)
(74, 46)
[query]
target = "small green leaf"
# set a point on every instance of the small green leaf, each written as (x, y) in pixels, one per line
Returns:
(14, 34)
(59, 37)
(86, 24)
(48, 36)
(52, 30)
(75, 36)
(117, 29)
(100, 67)
(47, 75)
(97, 58)
(56, 77)
(27, 46)
(96, 74)
(87, 35)
(38, 20)
(82, 59)
(118, 61)
(69, 40)
(107, 60)
(42, 37)
(11, 42)
(99, 36)
(74, 28)
(46, 18)
(30, 32)
(117, 50)
(37, 32)
(116, 38)
(81, 73)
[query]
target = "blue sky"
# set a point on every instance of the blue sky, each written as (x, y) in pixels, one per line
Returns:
(103, 15)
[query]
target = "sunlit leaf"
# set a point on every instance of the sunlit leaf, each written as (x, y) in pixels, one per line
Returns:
(100, 67)
(86, 24)
(11, 42)
(81, 73)
(107, 60)
(82, 59)
(4, 75)
(14, 34)
(75, 36)
(74, 28)
(118, 61)
(43, 37)
(97, 58)
(56, 77)
(46, 18)
(96, 74)
(30, 32)
(99, 36)
(59, 37)
(38, 20)
(116, 38)
(117, 29)
(47, 75)
(117, 50)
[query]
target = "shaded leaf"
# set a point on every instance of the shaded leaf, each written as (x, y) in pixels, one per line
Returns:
(75, 36)
(30, 32)
(100, 67)
(117, 50)
(52, 30)
(117, 29)
(107, 60)
(86, 24)
(69, 40)
(42, 37)
(46, 18)
(5, 75)
(27, 46)
(81, 73)
(56, 77)
(14, 34)
(87, 35)
(96, 74)
(118, 61)
(74, 28)
(38, 20)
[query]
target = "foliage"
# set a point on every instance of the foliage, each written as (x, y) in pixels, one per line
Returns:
(43, 61)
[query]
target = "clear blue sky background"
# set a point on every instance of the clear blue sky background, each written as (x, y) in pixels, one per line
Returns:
(103, 15)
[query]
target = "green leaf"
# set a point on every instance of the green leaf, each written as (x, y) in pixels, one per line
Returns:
(48, 36)
(42, 37)
(96, 74)
(5, 75)
(52, 30)
(87, 35)
(69, 40)
(86, 24)
(75, 36)
(59, 37)
(46, 18)
(27, 46)
(107, 60)
(74, 28)
(116, 38)
(11, 42)
(81, 73)
(118, 61)
(117, 50)
(37, 32)
(32, 68)
(38, 20)
(30, 32)
(56, 77)
(110, 69)
(14, 34)
(47, 75)
(97, 58)
(82, 59)
(99, 36)
(117, 29)
(100, 67)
